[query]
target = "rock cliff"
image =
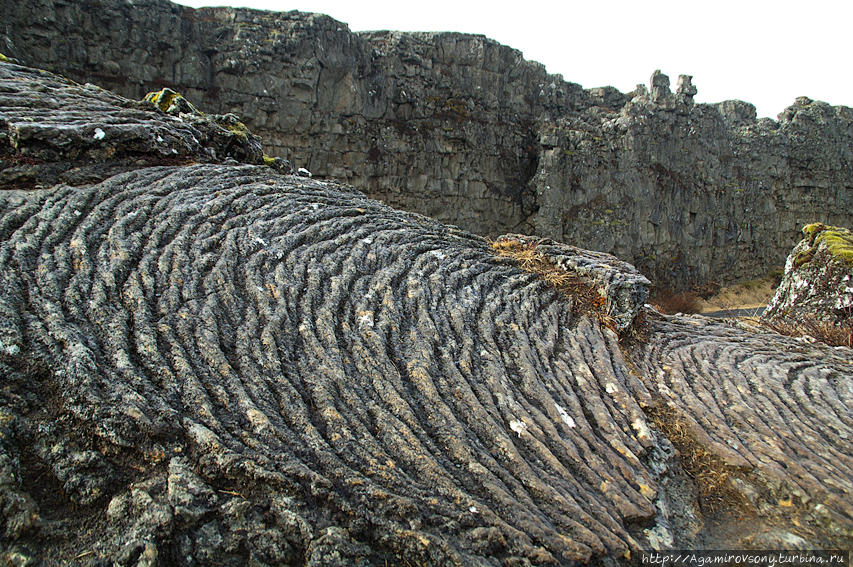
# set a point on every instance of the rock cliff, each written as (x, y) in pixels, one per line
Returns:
(208, 362)
(465, 130)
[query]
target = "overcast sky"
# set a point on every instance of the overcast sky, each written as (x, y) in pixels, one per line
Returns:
(765, 52)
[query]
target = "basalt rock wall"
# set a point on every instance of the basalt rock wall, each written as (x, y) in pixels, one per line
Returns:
(465, 130)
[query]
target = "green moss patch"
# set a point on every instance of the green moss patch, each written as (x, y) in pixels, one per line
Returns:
(234, 126)
(3, 58)
(838, 241)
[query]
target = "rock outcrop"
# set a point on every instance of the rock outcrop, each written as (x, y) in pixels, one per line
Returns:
(215, 363)
(465, 130)
(53, 130)
(817, 286)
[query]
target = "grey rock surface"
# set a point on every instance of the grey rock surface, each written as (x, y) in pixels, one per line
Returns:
(463, 129)
(219, 364)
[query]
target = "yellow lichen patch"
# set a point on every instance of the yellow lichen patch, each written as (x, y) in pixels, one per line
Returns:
(839, 241)
(3, 58)
(269, 161)
(155, 455)
(238, 129)
(171, 102)
(812, 229)
(647, 491)
(272, 291)
(162, 99)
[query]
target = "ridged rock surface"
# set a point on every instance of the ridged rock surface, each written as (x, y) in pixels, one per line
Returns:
(215, 364)
(463, 129)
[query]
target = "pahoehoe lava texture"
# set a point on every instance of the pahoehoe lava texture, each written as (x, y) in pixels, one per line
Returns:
(309, 351)
(317, 342)
(774, 415)
(54, 130)
(220, 364)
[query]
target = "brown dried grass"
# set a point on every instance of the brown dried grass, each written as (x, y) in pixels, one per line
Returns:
(832, 335)
(713, 477)
(586, 299)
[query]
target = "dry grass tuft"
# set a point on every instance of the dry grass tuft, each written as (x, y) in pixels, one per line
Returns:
(586, 298)
(832, 335)
(710, 473)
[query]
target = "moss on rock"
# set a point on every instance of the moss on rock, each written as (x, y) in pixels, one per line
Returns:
(815, 292)
(838, 242)
(172, 102)
(232, 123)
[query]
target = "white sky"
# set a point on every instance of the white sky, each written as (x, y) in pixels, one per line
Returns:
(762, 51)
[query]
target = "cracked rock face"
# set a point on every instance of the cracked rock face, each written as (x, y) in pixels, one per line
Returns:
(463, 129)
(220, 364)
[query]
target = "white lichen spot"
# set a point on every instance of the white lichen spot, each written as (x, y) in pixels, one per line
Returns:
(367, 240)
(660, 537)
(99, 134)
(641, 428)
(122, 360)
(258, 419)
(564, 415)
(260, 241)
(365, 319)
(610, 388)
(518, 426)
(11, 350)
(473, 509)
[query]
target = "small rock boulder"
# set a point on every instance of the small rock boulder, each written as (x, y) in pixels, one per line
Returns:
(818, 283)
